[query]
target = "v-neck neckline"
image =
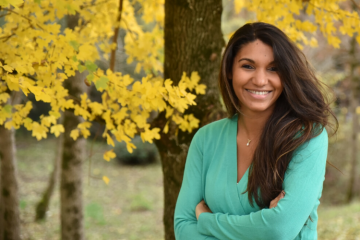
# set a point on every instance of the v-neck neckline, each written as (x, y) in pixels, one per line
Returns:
(245, 175)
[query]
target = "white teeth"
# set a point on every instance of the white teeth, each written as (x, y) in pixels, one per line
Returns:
(259, 92)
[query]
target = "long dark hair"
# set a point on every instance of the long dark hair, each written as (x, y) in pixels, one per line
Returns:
(302, 107)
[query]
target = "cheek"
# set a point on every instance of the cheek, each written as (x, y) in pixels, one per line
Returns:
(278, 84)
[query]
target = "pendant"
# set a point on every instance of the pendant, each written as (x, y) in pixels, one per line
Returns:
(248, 143)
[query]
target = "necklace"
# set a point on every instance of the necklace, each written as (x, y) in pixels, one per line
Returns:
(248, 143)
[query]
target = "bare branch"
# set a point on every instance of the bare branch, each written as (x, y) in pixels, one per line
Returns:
(355, 4)
(116, 33)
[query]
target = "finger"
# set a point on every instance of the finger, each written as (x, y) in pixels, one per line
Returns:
(275, 201)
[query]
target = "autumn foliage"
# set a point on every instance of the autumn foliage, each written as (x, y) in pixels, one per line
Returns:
(37, 56)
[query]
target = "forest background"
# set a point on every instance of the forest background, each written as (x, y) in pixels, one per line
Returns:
(87, 81)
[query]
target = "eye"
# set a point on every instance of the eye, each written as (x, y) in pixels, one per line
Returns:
(273, 69)
(247, 66)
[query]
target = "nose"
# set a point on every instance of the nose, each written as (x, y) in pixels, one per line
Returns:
(260, 78)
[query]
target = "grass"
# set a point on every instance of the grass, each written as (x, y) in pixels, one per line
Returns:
(131, 206)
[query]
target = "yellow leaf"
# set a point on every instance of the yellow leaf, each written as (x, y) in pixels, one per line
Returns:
(358, 110)
(8, 68)
(28, 123)
(106, 180)
(74, 134)
(200, 89)
(4, 97)
(14, 3)
(57, 129)
(358, 38)
(39, 131)
(85, 133)
(48, 120)
(110, 141)
(239, 4)
(130, 146)
(166, 128)
(109, 155)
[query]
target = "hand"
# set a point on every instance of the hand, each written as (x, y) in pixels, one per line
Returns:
(274, 202)
(200, 208)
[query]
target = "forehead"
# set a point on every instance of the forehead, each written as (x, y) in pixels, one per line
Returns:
(257, 51)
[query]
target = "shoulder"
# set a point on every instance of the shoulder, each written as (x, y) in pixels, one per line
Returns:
(216, 131)
(218, 126)
(313, 151)
(318, 142)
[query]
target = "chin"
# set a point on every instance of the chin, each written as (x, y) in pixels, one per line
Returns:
(260, 109)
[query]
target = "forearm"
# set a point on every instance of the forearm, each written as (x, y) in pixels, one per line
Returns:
(187, 230)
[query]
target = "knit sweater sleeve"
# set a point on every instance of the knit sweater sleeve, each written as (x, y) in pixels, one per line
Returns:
(191, 193)
(302, 183)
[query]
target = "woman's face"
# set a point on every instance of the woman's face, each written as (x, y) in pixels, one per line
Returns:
(255, 79)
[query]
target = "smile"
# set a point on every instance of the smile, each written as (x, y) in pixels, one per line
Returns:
(258, 92)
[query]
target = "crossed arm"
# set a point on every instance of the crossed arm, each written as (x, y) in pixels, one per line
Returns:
(302, 184)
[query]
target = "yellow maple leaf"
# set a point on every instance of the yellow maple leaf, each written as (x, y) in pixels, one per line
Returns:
(358, 110)
(15, 3)
(4, 97)
(110, 140)
(108, 155)
(39, 131)
(166, 128)
(106, 180)
(200, 89)
(28, 123)
(130, 146)
(8, 68)
(57, 129)
(74, 134)
(85, 133)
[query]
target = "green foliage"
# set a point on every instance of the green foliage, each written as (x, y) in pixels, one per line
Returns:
(94, 212)
(140, 203)
(23, 204)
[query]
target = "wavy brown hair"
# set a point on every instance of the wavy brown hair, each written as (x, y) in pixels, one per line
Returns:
(301, 108)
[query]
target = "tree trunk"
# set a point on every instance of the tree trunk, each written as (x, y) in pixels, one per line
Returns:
(9, 189)
(355, 125)
(43, 205)
(193, 42)
(71, 165)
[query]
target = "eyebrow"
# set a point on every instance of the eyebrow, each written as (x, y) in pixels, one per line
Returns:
(252, 61)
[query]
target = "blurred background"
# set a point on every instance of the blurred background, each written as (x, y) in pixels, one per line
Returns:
(131, 205)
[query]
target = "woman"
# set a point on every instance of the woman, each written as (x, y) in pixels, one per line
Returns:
(259, 173)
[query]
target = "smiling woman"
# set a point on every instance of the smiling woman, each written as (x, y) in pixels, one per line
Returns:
(259, 173)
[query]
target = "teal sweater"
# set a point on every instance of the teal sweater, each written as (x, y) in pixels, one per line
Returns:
(211, 174)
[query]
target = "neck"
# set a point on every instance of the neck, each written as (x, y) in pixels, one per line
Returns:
(253, 124)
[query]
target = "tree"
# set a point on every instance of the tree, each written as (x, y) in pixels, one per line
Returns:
(199, 48)
(43, 205)
(72, 160)
(9, 189)
(9, 199)
(354, 104)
